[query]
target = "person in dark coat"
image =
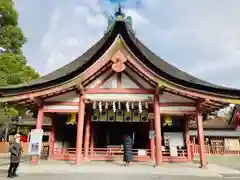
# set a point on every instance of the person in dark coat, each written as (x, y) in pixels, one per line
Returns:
(15, 150)
(128, 144)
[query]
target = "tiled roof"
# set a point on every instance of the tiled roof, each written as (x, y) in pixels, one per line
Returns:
(151, 60)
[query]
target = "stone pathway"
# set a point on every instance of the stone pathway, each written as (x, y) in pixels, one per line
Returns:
(136, 169)
(110, 176)
(115, 170)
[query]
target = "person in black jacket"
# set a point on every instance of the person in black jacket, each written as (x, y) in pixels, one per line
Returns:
(128, 144)
(15, 150)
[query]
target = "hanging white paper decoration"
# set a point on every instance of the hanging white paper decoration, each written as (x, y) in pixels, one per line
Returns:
(94, 105)
(132, 105)
(100, 106)
(106, 105)
(140, 107)
(127, 107)
(114, 106)
(146, 105)
(119, 105)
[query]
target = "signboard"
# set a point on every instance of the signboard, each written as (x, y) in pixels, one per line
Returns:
(173, 151)
(174, 138)
(142, 152)
(35, 144)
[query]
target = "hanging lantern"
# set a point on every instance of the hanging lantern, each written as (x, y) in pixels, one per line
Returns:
(100, 106)
(94, 105)
(71, 119)
(106, 105)
(127, 107)
(114, 106)
(168, 121)
(140, 107)
(119, 105)
(146, 105)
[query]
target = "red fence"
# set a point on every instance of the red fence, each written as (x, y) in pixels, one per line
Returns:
(213, 150)
(116, 153)
(99, 154)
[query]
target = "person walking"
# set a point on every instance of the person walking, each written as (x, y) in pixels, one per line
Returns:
(15, 150)
(128, 144)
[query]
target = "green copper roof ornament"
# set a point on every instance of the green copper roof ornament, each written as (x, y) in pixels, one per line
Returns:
(119, 15)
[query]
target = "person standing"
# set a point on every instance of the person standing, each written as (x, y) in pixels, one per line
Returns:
(128, 144)
(15, 150)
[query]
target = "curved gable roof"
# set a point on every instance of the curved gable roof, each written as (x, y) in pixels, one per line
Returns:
(151, 60)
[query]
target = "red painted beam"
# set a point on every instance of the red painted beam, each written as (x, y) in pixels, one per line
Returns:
(177, 104)
(59, 110)
(61, 103)
(119, 91)
(68, 103)
(178, 113)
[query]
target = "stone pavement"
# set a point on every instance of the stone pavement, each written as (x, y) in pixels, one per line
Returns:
(93, 170)
(229, 161)
(109, 176)
(4, 158)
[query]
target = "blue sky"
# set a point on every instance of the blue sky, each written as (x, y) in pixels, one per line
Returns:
(200, 37)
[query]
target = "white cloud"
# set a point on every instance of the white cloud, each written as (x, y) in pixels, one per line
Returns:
(201, 37)
(70, 36)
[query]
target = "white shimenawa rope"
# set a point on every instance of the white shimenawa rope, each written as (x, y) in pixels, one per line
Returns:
(127, 107)
(114, 106)
(140, 107)
(100, 106)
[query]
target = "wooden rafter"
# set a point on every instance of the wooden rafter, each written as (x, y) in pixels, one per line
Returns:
(179, 94)
(141, 74)
(99, 72)
(104, 79)
(133, 80)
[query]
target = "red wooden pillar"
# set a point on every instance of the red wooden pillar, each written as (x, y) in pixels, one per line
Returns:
(40, 117)
(92, 140)
(152, 141)
(199, 117)
(87, 136)
(157, 123)
(188, 139)
(52, 137)
(80, 126)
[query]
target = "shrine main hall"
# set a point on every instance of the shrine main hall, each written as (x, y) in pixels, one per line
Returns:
(121, 87)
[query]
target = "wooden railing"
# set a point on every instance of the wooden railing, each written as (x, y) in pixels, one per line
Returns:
(98, 151)
(116, 153)
(180, 153)
(214, 150)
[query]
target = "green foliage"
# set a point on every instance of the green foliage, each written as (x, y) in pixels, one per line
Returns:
(13, 65)
(11, 38)
(9, 12)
